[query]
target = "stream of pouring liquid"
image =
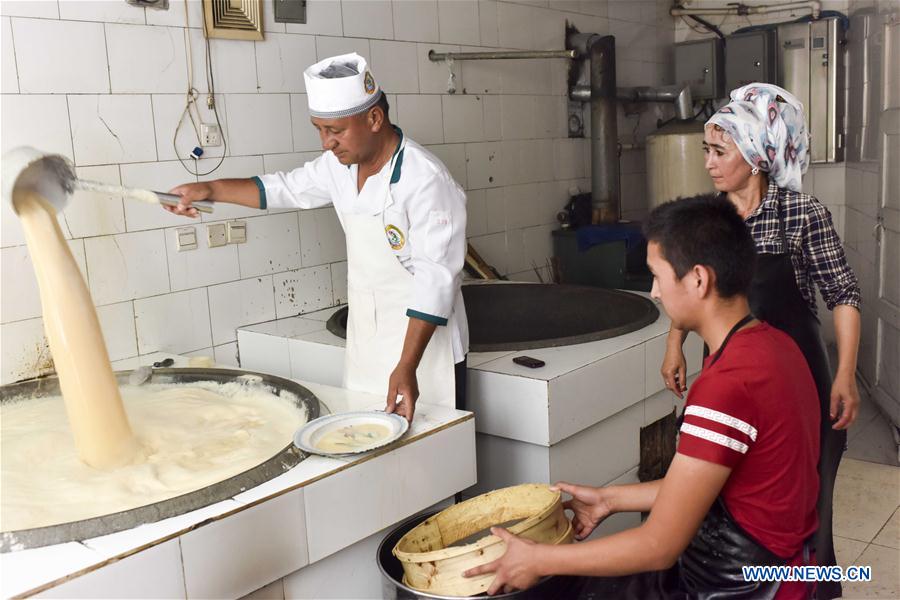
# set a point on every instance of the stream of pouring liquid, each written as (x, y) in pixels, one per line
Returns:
(99, 424)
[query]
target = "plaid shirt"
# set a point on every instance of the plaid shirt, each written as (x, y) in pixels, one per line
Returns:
(815, 248)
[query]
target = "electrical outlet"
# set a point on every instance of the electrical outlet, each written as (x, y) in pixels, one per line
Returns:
(215, 235)
(211, 134)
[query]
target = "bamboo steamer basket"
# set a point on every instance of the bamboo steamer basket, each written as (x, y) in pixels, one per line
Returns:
(430, 562)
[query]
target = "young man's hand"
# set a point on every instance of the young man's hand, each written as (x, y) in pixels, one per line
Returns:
(516, 569)
(591, 505)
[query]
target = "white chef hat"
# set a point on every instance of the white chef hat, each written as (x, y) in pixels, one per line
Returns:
(340, 86)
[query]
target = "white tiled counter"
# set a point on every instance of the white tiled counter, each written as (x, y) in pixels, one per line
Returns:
(305, 526)
(576, 419)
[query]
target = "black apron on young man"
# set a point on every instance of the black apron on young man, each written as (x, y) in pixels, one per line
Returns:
(710, 568)
(776, 299)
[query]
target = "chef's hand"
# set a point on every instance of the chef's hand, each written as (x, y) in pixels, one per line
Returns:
(844, 401)
(403, 383)
(674, 369)
(189, 192)
(589, 504)
(516, 569)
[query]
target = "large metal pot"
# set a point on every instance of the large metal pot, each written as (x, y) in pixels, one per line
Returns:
(286, 459)
(392, 586)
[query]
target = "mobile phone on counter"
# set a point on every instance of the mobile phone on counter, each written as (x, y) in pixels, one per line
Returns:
(528, 361)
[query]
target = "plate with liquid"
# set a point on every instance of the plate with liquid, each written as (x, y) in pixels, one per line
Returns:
(350, 433)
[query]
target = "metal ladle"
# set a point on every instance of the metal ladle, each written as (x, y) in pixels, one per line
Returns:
(53, 177)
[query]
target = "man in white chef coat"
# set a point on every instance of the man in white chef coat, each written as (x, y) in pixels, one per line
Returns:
(405, 221)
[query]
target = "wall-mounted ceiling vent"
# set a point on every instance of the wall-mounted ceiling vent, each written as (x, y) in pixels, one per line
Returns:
(233, 19)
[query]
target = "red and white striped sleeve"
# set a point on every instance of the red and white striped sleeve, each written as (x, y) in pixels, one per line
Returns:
(719, 422)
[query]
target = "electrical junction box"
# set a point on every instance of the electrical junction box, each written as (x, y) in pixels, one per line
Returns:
(290, 11)
(750, 57)
(701, 64)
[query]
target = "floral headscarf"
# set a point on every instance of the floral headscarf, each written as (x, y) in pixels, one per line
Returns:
(767, 124)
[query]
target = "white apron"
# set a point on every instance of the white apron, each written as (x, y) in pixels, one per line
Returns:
(379, 292)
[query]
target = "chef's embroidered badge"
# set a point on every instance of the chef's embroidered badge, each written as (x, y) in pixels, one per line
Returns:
(369, 83)
(394, 237)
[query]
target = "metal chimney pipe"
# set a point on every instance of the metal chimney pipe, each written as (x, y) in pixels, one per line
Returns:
(604, 132)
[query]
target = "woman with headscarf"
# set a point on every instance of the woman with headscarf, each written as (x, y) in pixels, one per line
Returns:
(756, 152)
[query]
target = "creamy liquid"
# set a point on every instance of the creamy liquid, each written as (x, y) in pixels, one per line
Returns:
(99, 425)
(352, 437)
(190, 436)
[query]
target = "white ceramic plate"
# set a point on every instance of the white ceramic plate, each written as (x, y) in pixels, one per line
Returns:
(307, 437)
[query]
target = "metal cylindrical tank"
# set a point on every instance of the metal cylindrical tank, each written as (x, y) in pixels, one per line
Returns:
(675, 163)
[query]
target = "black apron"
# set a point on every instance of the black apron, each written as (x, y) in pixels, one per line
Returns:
(776, 299)
(710, 568)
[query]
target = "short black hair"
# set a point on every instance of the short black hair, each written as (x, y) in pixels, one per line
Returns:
(705, 230)
(384, 106)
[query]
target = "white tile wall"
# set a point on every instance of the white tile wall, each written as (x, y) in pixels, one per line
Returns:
(339, 282)
(458, 22)
(44, 9)
(256, 123)
(332, 46)
(488, 23)
(273, 245)
(174, 323)
(323, 17)
(420, 117)
(89, 214)
(201, 266)
(38, 121)
(240, 303)
(516, 26)
(117, 323)
(50, 63)
(234, 65)
(396, 66)
(9, 77)
(416, 20)
(18, 274)
(463, 118)
(302, 291)
(99, 10)
(281, 60)
(175, 16)
(146, 59)
(126, 266)
(368, 19)
(321, 237)
(112, 129)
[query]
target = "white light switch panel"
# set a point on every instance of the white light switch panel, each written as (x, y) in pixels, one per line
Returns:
(236, 232)
(186, 238)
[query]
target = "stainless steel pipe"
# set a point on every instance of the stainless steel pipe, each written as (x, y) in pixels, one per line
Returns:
(512, 54)
(604, 130)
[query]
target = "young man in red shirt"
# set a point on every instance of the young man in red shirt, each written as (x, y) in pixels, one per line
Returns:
(742, 487)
